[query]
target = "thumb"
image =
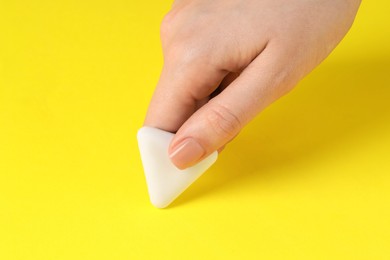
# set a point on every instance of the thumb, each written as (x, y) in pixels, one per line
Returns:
(222, 118)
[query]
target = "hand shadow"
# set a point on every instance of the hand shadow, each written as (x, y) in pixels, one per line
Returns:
(339, 103)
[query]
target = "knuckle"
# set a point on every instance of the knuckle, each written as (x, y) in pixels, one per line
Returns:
(167, 25)
(182, 42)
(223, 121)
(186, 56)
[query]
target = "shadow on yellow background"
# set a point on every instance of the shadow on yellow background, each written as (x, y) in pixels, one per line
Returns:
(342, 104)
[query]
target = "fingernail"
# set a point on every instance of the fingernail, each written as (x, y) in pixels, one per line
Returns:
(187, 153)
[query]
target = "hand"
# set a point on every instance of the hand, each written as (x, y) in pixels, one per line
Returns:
(226, 60)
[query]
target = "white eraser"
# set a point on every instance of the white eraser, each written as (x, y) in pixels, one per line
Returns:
(165, 182)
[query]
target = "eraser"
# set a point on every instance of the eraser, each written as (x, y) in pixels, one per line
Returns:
(165, 182)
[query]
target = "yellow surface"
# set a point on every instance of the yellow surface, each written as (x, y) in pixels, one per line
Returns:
(308, 179)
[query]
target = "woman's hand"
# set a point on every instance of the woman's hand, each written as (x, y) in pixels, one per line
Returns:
(226, 60)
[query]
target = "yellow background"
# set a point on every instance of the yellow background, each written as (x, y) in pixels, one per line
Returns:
(308, 179)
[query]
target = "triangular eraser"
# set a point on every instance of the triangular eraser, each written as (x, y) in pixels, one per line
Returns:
(165, 182)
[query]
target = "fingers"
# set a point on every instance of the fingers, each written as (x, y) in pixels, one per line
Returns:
(181, 90)
(222, 118)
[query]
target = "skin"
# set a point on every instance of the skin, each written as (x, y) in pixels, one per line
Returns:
(227, 60)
